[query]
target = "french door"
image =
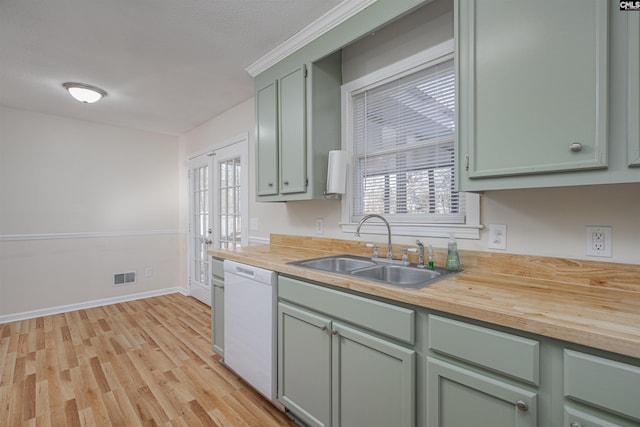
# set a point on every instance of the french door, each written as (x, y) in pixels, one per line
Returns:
(218, 208)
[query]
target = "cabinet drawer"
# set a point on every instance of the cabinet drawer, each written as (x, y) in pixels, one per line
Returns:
(508, 354)
(217, 267)
(604, 383)
(386, 319)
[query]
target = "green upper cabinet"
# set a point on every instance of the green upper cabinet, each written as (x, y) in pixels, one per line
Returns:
(532, 86)
(633, 117)
(547, 94)
(267, 140)
(293, 132)
(297, 124)
(298, 108)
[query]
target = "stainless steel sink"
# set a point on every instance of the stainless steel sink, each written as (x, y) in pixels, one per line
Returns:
(408, 277)
(336, 264)
(402, 276)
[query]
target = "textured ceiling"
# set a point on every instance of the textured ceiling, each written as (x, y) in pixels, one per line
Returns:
(167, 65)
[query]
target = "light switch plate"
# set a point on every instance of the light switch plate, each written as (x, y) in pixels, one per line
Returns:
(497, 236)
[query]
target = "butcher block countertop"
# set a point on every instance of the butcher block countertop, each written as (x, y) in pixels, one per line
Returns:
(595, 304)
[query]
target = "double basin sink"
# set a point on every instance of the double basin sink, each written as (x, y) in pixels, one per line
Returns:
(403, 276)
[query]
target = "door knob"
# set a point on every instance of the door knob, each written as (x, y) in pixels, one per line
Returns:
(208, 241)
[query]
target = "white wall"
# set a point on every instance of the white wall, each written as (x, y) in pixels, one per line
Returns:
(80, 201)
(546, 222)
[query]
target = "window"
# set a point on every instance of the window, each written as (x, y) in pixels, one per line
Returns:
(399, 131)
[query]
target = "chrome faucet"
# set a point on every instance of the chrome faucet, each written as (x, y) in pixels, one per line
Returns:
(389, 255)
(420, 253)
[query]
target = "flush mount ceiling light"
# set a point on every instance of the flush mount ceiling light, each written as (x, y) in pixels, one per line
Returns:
(84, 93)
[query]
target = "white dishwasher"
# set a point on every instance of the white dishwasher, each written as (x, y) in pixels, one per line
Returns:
(250, 325)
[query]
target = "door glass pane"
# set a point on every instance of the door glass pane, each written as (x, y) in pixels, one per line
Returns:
(200, 223)
(229, 206)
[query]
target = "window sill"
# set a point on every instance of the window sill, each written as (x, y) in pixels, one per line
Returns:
(461, 231)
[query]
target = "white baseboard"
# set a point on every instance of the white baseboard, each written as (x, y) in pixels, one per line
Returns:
(89, 304)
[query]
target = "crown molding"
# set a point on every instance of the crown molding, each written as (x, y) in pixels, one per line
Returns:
(326, 22)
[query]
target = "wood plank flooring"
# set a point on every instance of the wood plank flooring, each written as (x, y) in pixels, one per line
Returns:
(141, 363)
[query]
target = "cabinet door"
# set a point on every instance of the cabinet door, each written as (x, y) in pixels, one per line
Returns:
(373, 380)
(292, 132)
(460, 397)
(633, 118)
(532, 86)
(218, 316)
(267, 140)
(304, 364)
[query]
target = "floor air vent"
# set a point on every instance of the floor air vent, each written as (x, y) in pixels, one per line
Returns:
(120, 279)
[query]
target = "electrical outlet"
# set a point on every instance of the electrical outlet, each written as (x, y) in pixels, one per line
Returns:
(253, 224)
(497, 236)
(319, 226)
(148, 272)
(598, 241)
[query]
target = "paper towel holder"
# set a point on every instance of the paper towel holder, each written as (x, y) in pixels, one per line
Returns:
(337, 164)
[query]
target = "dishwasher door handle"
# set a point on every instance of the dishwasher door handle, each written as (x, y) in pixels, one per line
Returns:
(245, 272)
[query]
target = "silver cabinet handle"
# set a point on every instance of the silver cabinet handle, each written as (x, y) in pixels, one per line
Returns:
(334, 332)
(576, 424)
(270, 184)
(286, 182)
(575, 147)
(522, 405)
(323, 328)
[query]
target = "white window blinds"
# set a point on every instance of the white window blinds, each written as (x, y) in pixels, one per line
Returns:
(403, 153)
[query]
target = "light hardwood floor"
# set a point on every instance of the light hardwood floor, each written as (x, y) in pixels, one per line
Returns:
(140, 363)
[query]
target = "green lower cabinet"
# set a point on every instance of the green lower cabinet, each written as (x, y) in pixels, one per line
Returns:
(217, 305)
(574, 417)
(373, 380)
(304, 364)
(218, 316)
(331, 374)
(609, 389)
(460, 397)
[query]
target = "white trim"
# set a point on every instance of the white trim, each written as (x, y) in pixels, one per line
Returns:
(320, 26)
(421, 60)
(89, 304)
(85, 235)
